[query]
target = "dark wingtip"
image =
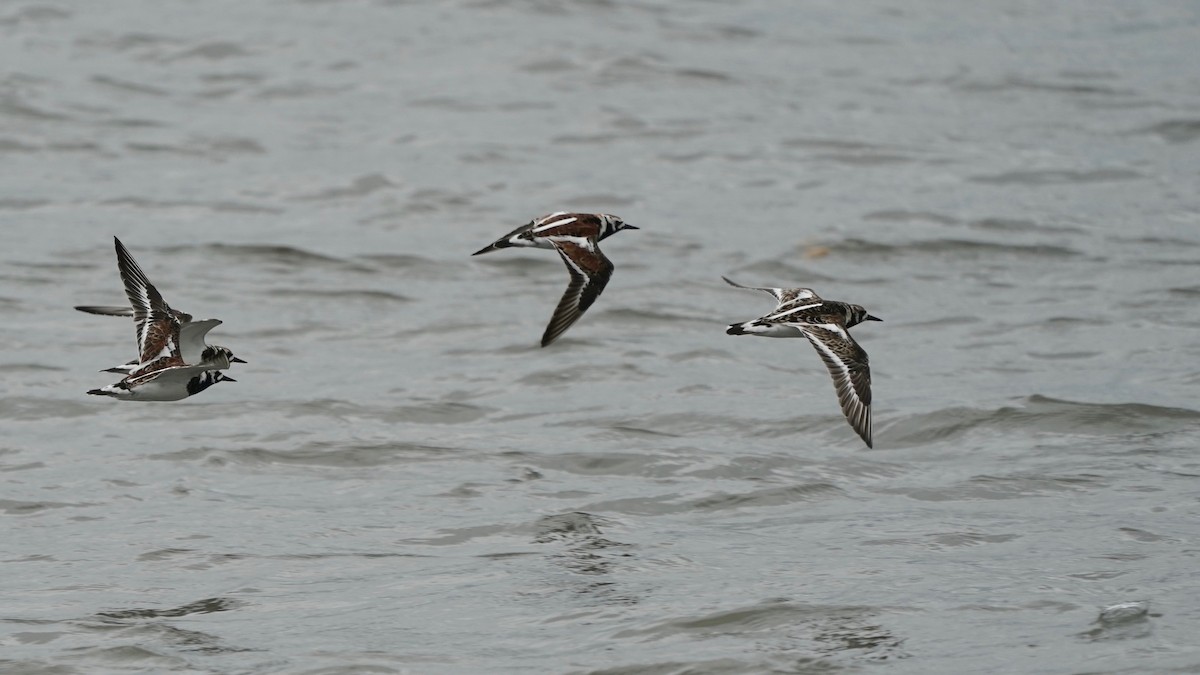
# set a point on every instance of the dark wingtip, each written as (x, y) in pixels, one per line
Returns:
(96, 392)
(735, 329)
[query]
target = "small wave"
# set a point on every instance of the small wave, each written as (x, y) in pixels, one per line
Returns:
(216, 50)
(1011, 486)
(1012, 83)
(1057, 176)
(359, 187)
(779, 272)
(947, 246)
(418, 266)
(20, 203)
(293, 90)
(944, 540)
(205, 606)
(1043, 414)
(215, 148)
(675, 503)
(289, 258)
(673, 424)
(557, 376)
(12, 106)
(641, 317)
(216, 206)
(1166, 242)
(363, 295)
(127, 86)
(1021, 225)
(34, 14)
(28, 409)
(811, 630)
(14, 507)
(316, 454)
(28, 367)
(766, 497)
(1175, 131)
(911, 216)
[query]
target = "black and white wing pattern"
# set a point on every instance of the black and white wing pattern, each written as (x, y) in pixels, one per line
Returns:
(157, 326)
(851, 372)
(508, 240)
(106, 310)
(590, 272)
(789, 299)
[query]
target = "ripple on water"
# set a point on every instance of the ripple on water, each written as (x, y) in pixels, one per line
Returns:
(1175, 131)
(719, 501)
(316, 454)
(1011, 486)
(1045, 415)
(803, 631)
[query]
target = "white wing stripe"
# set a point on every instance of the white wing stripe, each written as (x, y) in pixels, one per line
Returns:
(554, 223)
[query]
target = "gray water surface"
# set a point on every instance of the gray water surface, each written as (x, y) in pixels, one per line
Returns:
(402, 481)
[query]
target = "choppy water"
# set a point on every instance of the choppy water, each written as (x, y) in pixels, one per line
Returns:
(401, 481)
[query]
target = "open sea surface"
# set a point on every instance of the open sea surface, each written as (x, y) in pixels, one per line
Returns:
(402, 481)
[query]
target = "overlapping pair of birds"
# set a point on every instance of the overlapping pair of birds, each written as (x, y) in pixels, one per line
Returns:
(175, 362)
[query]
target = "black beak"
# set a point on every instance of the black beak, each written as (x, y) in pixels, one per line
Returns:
(872, 318)
(234, 359)
(631, 227)
(227, 379)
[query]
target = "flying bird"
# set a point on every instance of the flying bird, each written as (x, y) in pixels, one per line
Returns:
(826, 323)
(575, 236)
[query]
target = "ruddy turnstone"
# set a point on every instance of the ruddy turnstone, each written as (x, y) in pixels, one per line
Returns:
(171, 383)
(154, 317)
(802, 313)
(575, 237)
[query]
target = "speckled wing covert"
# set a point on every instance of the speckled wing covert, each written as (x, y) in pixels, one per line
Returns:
(851, 372)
